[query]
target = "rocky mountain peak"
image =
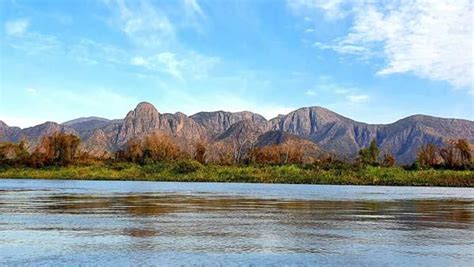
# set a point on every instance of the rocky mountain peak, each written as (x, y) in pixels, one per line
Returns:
(145, 107)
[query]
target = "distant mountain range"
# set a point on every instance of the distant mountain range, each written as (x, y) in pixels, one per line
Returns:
(315, 127)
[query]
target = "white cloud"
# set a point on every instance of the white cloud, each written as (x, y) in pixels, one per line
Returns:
(16, 27)
(155, 44)
(30, 43)
(310, 93)
(357, 99)
(171, 64)
(139, 61)
(91, 52)
(188, 65)
(145, 25)
(430, 38)
(193, 7)
(31, 91)
(332, 8)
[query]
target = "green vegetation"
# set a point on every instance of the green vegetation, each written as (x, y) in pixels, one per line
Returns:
(158, 158)
(193, 171)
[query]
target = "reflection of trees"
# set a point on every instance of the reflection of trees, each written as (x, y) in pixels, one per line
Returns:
(142, 205)
(202, 221)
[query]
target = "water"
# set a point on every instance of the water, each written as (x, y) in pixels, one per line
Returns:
(46, 222)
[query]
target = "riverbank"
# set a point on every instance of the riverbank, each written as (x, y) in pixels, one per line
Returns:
(291, 174)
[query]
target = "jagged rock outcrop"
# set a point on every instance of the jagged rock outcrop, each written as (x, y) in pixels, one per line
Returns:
(219, 121)
(146, 119)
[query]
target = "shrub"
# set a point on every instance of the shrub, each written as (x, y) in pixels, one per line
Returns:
(188, 166)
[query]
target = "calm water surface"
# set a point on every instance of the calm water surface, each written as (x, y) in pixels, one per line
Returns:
(45, 222)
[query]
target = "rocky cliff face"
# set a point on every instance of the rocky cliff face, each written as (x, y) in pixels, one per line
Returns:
(145, 118)
(217, 122)
(331, 132)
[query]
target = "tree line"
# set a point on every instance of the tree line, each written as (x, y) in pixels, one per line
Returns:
(62, 149)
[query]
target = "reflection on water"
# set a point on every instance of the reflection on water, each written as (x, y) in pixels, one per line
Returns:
(70, 222)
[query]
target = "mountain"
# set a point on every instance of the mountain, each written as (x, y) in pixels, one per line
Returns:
(84, 120)
(313, 127)
(331, 131)
(145, 119)
(86, 124)
(219, 121)
(7, 132)
(345, 137)
(34, 134)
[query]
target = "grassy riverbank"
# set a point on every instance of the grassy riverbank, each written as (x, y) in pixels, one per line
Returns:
(297, 174)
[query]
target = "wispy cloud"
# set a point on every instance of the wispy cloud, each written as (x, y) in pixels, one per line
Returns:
(342, 93)
(310, 92)
(430, 38)
(357, 99)
(192, 7)
(157, 47)
(145, 25)
(31, 43)
(189, 65)
(92, 52)
(331, 8)
(16, 27)
(31, 91)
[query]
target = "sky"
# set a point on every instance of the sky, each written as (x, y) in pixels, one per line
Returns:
(372, 61)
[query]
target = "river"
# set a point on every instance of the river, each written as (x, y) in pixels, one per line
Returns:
(116, 223)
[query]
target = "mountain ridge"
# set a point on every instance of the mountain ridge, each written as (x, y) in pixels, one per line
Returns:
(330, 131)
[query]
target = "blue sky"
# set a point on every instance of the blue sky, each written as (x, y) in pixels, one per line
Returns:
(369, 61)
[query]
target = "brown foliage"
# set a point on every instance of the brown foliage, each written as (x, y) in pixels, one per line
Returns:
(456, 153)
(287, 153)
(12, 154)
(57, 149)
(428, 155)
(160, 147)
(388, 160)
(153, 148)
(200, 149)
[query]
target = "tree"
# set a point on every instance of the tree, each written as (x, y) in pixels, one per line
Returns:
(449, 154)
(57, 149)
(456, 153)
(13, 154)
(428, 155)
(161, 147)
(370, 154)
(465, 152)
(388, 160)
(200, 152)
